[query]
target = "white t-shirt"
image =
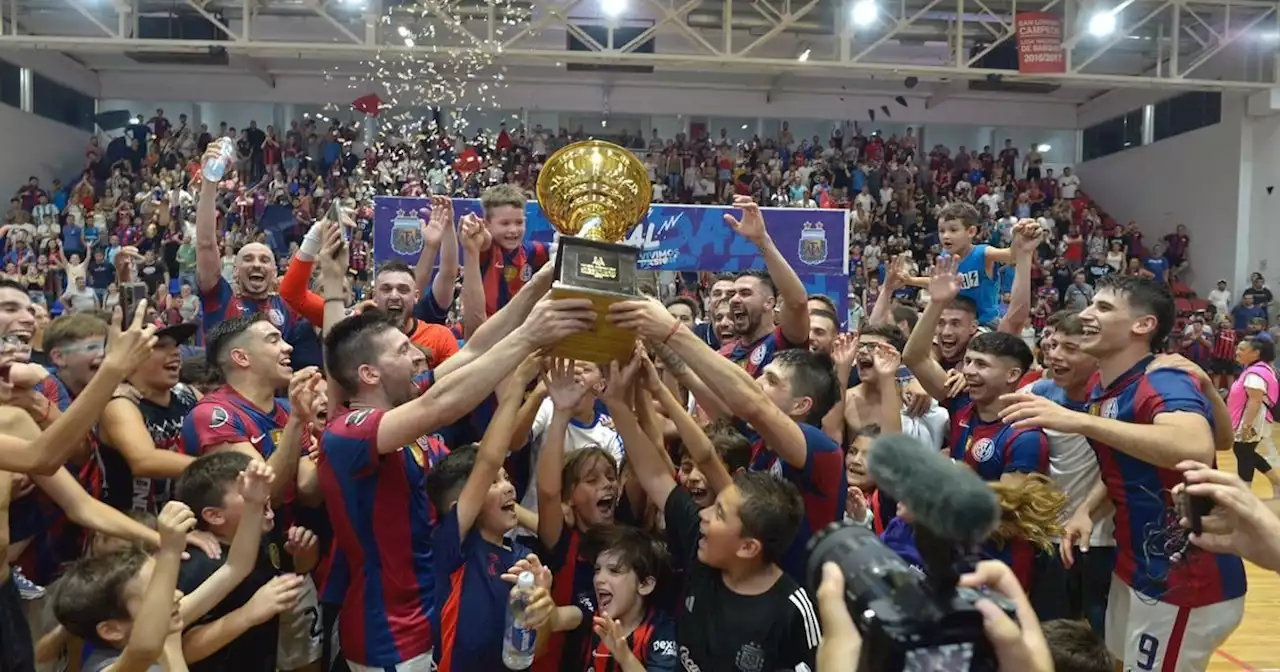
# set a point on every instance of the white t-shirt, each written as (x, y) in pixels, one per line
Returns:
(578, 436)
(1221, 299)
(930, 428)
(1067, 185)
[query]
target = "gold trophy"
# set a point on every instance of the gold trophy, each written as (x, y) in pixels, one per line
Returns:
(593, 193)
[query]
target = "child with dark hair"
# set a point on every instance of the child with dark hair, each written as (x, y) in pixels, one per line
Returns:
(737, 600)
(1075, 647)
(476, 504)
(122, 603)
(631, 632)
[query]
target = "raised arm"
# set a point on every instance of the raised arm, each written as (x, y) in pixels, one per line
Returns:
(944, 286)
(474, 306)
(516, 313)
(1026, 238)
(208, 259)
(566, 393)
(155, 614)
(700, 448)
(492, 453)
(646, 459)
(791, 292)
(453, 396)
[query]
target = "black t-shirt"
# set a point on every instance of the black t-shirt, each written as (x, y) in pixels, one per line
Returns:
(718, 629)
(152, 274)
(101, 274)
(1261, 297)
(124, 492)
(255, 649)
(1098, 271)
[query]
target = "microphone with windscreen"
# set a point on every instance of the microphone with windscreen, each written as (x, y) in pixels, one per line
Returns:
(913, 621)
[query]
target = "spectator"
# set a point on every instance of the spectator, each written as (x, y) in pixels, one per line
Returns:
(1220, 298)
(79, 298)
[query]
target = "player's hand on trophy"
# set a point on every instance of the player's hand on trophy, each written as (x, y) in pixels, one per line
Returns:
(751, 226)
(645, 316)
(551, 320)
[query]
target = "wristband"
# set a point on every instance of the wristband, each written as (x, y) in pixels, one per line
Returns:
(674, 328)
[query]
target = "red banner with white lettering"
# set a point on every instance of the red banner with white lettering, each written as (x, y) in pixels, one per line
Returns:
(1040, 43)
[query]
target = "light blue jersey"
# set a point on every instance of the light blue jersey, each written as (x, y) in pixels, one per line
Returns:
(978, 286)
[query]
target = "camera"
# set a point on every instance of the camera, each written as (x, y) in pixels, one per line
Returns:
(907, 622)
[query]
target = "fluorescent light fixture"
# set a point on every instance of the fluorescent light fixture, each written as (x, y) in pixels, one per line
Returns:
(1043, 148)
(744, 127)
(804, 56)
(1102, 24)
(864, 12)
(404, 32)
(408, 42)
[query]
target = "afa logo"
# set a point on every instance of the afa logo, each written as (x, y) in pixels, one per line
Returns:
(813, 244)
(406, 233)
(983, 450)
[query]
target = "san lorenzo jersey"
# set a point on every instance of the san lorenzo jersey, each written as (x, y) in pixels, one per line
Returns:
(993, 449)
(504, 272)
(1147, 530)
(822, 483)
(755, 356)
(224, 416)
(653, 643)
(382, 524)
(222, 304)
(164, 423)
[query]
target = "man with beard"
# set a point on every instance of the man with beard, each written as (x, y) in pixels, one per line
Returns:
(757, 293)
(709, 331)
(140, 434)
(395, 292)
(1171, 608)
(374, 463)
(255, 275)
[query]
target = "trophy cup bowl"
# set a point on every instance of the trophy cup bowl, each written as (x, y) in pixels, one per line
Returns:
(593, 193)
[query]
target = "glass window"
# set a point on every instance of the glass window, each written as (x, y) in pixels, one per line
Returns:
(10, 84)
(64, 104)
(1186, 112)
(1113, 135)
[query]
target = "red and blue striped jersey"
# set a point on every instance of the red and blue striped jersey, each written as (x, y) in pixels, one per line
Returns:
(225, 416)
(221, 304)
(471, 605)
(1018, 554)
(382, 524)
(506, 272)
(755, 356)
(1147, 531)
(572, 584)
(822, 483)
(653, 643)
(993, 449)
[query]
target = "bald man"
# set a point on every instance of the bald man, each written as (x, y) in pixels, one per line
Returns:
(255, 274)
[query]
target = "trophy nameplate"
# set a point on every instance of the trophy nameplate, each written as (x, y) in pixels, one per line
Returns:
(603, 273)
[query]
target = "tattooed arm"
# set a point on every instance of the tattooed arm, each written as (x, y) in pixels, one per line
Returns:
(711, 404)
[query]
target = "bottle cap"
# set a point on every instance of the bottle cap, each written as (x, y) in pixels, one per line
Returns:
(525, 581)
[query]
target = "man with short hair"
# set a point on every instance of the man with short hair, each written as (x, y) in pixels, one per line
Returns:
(1175, 607)
(395, 292)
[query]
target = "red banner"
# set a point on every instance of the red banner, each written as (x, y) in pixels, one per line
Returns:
(1040, 43)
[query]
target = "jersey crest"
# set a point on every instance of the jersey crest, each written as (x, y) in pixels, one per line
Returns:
(218, 417)
(757, 355)
(983, 450)
(357, 418)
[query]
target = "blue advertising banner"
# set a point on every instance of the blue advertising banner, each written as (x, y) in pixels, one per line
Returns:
(672, 238)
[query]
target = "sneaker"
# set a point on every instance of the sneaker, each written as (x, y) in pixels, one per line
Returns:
(27, 588)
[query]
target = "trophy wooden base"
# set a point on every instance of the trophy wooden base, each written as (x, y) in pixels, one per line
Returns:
(603, 344)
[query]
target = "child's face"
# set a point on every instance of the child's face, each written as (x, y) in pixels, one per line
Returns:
(855, 464)
(693, 480)
(956, 238)
(499, 511)
(595, 496)
(721, 542)
(224, 520)
(619, 591)
(506, 223)
(134, 591)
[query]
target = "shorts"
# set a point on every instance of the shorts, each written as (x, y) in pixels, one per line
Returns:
(301, 631)
(1143, 632)
(17, 652)
(423, 663)
(1226, 367)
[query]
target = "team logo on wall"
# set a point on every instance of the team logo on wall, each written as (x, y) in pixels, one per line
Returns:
(406, 233)
(983, 450)
(813, 244)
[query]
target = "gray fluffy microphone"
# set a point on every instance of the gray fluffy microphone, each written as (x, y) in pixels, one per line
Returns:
(949, 499)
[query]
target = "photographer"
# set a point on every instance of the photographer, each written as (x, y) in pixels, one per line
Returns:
(1019, 646)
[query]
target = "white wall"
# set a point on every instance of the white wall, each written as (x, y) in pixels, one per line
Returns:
(39, 147)
(1191, 179)
(1260, 215)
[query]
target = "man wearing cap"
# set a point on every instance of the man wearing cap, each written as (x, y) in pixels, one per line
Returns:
(140, 433)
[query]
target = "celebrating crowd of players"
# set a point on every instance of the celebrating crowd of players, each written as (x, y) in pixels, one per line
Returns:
(372, 514)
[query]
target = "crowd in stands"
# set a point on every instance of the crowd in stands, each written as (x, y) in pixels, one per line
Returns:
(365, 457)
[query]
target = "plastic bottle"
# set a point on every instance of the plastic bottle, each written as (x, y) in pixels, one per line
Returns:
(216, 166)
(517, 640)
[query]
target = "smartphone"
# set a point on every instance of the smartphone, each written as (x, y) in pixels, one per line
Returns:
(1195, 508)
(130, 294)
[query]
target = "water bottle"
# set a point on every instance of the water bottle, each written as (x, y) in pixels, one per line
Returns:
(216, 166)
(517, 640)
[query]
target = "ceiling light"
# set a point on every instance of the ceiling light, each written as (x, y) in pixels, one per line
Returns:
(864, 12)
(1043, 148)
(404, 32)
(804, 56)
(1102, 23)
(408, 42)
(613, 7)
